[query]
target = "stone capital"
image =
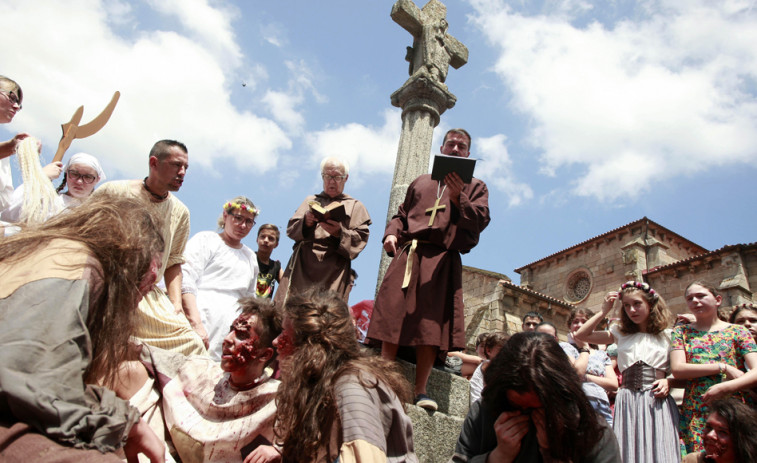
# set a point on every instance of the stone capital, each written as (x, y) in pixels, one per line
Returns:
(421, 93)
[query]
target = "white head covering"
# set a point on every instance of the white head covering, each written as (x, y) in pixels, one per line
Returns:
(89, 161)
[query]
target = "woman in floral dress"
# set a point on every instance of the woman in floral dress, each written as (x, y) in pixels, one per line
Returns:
(711, 355)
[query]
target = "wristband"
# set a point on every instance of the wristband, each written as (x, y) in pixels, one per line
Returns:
(584, 350)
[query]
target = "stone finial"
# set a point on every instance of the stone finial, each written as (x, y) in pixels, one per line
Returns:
(433, 50)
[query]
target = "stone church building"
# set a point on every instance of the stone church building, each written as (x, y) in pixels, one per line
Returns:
(582, 274)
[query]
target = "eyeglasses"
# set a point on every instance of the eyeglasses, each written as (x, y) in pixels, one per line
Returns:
(86, 178)
(336, 178)
(239, 220)
(13, 98)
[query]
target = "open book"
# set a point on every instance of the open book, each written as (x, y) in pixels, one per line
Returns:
(334, 211)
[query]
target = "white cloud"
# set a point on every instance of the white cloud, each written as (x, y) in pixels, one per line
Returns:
(172, 85)
(283, 105)
(672, 93)
(283, 108)
(210, 24)
(274, 34)
(369, 150)
(495, 167)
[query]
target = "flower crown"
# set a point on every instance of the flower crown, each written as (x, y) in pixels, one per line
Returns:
(241, 206)
(640, 285)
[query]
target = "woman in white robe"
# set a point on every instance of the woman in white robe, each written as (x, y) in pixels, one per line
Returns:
(80, 175)
(219, 270)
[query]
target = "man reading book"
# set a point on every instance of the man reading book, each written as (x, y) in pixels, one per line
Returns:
(420, 301)
(325, 244)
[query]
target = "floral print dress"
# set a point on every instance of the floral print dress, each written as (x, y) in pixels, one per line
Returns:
(729, 346)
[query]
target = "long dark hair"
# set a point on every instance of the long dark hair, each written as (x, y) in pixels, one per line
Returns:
(123, 235)
(742, 426)
(535, 362)
(326, 348)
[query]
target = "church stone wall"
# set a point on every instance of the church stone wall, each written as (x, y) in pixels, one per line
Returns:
(732, 270)
(582, 275)
(484, 311)
(493, 303)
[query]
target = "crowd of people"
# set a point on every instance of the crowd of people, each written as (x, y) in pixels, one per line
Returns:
(234, 357)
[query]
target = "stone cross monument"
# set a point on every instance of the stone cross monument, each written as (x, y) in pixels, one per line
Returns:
(424, 96)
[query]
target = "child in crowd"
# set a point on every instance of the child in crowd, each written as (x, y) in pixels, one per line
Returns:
(593, 366)
(270, 270)
(711, 355)
(646, 417)
(547, 328)
(746, 316)
(489, 345)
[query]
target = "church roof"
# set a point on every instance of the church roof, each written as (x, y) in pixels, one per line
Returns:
(611, 232)
(703, 256)
(560, 302)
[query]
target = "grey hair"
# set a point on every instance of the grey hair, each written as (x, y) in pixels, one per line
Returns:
(332, 161)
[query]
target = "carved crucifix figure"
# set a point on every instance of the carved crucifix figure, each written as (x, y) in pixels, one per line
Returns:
(433, 50)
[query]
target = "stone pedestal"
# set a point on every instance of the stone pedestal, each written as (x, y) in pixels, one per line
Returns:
(435, 433)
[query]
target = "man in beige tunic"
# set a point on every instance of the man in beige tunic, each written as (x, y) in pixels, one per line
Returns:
(324, 249)
(162, 322)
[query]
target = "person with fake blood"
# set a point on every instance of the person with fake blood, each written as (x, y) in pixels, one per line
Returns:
(730, 434)
(213, 413)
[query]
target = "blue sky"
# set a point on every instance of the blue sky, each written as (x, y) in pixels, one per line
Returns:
(586, 115)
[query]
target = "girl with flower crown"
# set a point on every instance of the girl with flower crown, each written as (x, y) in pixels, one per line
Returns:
(711, 356)
(219, 271)
(646, 417)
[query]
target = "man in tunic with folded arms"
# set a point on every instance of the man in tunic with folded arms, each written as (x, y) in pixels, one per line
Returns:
(324, 249)
(420, 301)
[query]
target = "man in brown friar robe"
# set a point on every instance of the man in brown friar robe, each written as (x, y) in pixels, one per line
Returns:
(324, 249)
(420, 301)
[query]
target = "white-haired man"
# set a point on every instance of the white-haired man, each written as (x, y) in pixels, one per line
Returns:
(325, 247)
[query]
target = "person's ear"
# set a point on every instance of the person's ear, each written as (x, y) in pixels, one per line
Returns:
(267, 354)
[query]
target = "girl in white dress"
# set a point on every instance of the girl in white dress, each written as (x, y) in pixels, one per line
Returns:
(219, 270)
(646, 417)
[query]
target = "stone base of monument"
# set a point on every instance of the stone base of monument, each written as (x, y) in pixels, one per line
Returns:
(435, 433)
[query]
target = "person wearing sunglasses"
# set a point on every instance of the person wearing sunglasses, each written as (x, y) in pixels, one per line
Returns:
(10, 104)
(219, 270)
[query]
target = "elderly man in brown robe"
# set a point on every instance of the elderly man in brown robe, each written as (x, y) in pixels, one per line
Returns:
(420, 301)
(325, 248)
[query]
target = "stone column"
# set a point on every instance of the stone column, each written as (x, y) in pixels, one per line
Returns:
(423, 97)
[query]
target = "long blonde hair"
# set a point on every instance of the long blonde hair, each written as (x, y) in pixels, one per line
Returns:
(124, 236)
(39, 194)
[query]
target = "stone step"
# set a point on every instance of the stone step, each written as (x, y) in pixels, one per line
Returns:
(435, 433)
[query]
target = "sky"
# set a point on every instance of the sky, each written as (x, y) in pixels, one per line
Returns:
(585, 115)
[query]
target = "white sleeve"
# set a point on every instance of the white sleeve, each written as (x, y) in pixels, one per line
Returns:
(198, 253)
(12, 214)
(477, 383)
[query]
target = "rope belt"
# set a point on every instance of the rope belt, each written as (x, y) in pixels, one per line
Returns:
(640, 376)
(412, 245)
